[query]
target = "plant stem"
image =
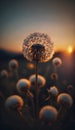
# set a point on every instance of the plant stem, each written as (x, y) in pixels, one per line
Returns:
(27, 120)
(36, 84)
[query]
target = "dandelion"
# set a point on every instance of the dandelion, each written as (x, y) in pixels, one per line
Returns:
(23, 85)
(14, 102)
(38, 46)
(54, 76)
(13, 65)
(57, 62)
(53, 91)
(4, 74)
(48, 114)
(41, 81)
(65, 100)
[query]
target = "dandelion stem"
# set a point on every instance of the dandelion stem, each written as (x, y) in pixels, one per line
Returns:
(36, 83)
(26, 120)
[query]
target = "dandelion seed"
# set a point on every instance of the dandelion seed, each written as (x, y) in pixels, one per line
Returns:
(14, 102)
(38, 46)
(48, 114)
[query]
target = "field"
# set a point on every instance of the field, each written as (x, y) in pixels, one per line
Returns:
(66, 77)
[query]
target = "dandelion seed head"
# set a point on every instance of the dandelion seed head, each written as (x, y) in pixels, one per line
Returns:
(41, 81)
(4, 74)
(38, 46)
(57, 62)
(65, 100)
(53, 91)
(48, 114)
(23, 85)
(14, 102)
(54, 76)
(13, 64)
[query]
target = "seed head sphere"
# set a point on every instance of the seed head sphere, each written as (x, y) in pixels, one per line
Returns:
(48, 114)
(57, 62)
(38, 46)
(65, 99)
(14, 102)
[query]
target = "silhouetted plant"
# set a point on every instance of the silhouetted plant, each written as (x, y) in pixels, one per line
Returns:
(37, 103)
(38, 47)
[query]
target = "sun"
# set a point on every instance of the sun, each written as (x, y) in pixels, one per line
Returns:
(70, 49)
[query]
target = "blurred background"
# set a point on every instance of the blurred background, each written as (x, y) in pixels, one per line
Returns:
(18, 19)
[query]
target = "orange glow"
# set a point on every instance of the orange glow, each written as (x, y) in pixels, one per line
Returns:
(70, 49)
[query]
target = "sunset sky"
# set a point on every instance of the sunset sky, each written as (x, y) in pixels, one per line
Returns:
(18, 18)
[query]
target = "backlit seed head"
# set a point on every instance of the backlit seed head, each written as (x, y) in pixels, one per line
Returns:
(69, 87)
(4, 74)
(41, 81)
(53, 91)
(23, 85)
(57, 62)
(65, 100)
(48, 114)
(54, 76)
(38, 47)
(13, 64)
(14, 102)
